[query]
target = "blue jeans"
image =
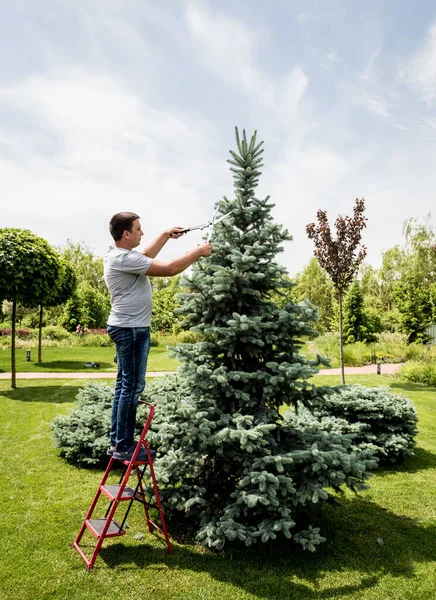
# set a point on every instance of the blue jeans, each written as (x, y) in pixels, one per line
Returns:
(132, 345)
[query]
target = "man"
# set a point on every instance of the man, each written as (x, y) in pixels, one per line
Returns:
(126, 273)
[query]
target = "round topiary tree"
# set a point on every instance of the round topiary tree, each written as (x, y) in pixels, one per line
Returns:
(229, 462)
(29, 272)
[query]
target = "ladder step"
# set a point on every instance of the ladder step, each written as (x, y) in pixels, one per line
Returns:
(96, 527)
(111, 492)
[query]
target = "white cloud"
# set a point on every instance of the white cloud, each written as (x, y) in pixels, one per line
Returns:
(377, 105)
(227, 46)
(133, 109)
(368, 71)
(108, 151)
(421, 70)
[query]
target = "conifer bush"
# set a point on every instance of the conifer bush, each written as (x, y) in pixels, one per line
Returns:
(83, 435)
(228, 461)
(380, 420)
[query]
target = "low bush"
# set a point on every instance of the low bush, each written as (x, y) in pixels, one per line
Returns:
(373, 420)
(182, 337)
(55, 333)
(389, 347)
(379, 419)
(417, 351)
(154, 340)
(419, 372)
(93, 341)
(22, 334)
(83, 435)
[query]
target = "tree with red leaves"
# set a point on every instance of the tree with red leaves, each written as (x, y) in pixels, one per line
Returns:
(340, 257)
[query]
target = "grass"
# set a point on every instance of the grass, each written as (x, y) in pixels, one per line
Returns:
(44, 500)
(72, 359)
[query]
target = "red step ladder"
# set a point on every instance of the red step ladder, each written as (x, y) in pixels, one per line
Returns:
(107, 527)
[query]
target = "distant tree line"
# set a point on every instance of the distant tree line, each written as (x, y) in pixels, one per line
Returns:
(400, 296)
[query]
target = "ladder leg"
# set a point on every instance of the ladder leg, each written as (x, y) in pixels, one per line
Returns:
(141, 487)
(159, 504)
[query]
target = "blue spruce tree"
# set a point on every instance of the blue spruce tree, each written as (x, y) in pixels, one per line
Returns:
(230, 461)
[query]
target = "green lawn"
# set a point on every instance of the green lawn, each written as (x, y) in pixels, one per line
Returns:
(72, 359)
(44, 500)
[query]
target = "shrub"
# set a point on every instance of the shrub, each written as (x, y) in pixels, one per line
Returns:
(55, 332)
(390, 347)
(154, 340)
(416, 351)
(292, 476)
(181, 337)
(320, 455)
(94, 341)
(83, 435)
(20, 333)
(379, 419)
(357, 354)
(419, 372)
(188, 337)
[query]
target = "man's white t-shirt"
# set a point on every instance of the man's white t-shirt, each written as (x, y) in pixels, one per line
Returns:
(129, 287)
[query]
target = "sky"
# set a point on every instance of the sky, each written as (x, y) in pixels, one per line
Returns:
(130, 105)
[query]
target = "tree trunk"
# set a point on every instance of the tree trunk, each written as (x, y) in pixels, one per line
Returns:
(13, 367)
(341, 343)
(40, 335)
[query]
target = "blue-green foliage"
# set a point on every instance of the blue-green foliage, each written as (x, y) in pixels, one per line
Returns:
(232, 477)
(83, 435)
(380, 420)
(228, 461)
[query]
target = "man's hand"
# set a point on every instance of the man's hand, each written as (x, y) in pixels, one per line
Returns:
(205, 249)
(174, 233)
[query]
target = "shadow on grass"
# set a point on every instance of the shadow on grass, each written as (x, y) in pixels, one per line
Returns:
(50, 394)
(281, 571)
(411, 387)
(420, 461)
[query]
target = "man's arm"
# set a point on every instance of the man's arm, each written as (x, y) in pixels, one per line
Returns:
(155, 247)
(176, 266)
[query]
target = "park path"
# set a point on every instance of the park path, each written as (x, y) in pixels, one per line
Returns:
(388, 369)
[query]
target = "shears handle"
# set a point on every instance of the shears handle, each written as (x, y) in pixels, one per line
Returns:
(194, 228)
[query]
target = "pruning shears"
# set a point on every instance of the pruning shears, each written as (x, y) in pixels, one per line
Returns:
(210, 224)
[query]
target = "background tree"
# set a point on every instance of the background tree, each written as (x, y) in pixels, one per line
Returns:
(72, 314)
(165, 302)
(86, 266)
(314, 284)
(94, 305)
(358, 326)
(414, 304)
(340, 256)
(231, 463)
(29, 272)
(89, 305)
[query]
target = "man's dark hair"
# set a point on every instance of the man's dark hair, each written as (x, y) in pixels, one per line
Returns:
(120, 223)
